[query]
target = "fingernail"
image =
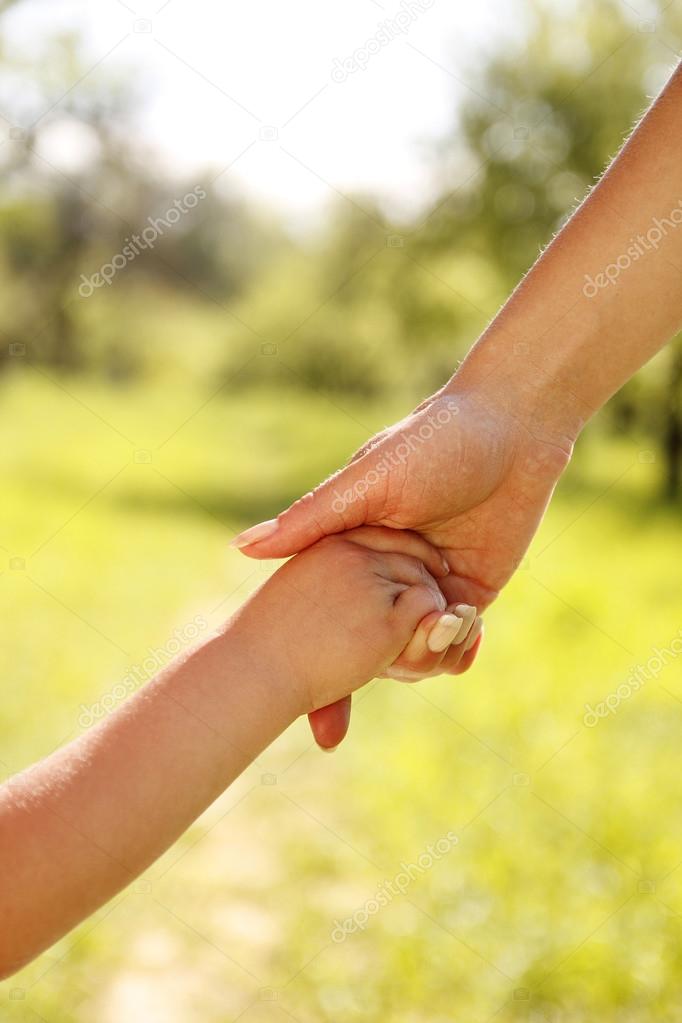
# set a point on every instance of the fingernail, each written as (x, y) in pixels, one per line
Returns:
(474, 634)
(446, 567)
(443, 633)
(468, 613)
(329, 749)
(402, 675)
(255, 533)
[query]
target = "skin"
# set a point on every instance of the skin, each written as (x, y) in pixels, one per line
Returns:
(558, 349)
(83, 823)
(80, 825)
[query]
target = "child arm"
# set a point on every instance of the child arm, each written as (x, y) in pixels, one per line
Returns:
(82, 824)
(79, 826)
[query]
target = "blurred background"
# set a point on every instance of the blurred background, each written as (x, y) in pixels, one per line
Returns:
(332, 202)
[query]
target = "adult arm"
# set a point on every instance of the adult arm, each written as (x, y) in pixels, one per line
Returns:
(598, 303)
(602, 299)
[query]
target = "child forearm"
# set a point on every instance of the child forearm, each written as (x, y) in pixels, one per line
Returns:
(80, 825)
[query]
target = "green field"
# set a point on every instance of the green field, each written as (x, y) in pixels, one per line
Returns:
(561, 900)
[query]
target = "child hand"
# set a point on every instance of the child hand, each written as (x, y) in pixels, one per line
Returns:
(343, 610)
(444, 641)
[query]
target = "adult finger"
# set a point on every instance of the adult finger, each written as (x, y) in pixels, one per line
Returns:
(455, 662)
(438, 635)
(346, 500)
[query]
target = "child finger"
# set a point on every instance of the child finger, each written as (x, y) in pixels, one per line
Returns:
(329, 725)
(413, 604)
(402, 573)
(401, 541)
(404, 570)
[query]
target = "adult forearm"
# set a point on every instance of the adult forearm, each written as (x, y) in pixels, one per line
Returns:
(83, 823)
(602, 298)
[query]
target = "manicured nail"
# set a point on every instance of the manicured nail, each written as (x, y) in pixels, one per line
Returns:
(255, 533)
(402, 675)
(474, 634)
(329, 749)
(468, 613)
(443, 633)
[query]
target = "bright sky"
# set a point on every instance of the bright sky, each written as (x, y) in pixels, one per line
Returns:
(222, 78)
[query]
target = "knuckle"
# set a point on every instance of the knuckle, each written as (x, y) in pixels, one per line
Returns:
(303, 502)
(419, 571)
(424, 574)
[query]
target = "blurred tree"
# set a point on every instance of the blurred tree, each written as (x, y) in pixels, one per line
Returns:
(65, 215)
(361, 306)
(538, 128)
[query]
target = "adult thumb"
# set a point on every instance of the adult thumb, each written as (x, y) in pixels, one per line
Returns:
(335, 505)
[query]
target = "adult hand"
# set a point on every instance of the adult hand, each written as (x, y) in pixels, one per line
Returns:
(467, 476)
(569, 336)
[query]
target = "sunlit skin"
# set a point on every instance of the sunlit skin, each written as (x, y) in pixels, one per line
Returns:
(82, 824)
(553, 355)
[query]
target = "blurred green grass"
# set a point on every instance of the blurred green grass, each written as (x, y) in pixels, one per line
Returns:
(560, 902)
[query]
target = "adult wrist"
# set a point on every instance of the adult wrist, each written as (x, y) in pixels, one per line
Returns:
(509, 378)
